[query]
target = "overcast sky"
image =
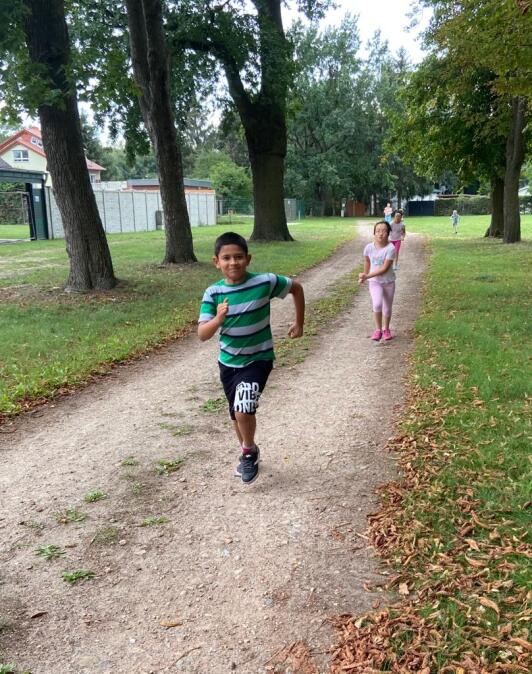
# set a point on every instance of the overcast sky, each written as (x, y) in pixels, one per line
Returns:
(391, 17)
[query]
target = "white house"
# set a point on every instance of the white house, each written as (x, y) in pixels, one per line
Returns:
(24, 150)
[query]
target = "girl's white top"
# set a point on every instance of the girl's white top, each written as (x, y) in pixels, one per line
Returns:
(397, 230)
(377, 257)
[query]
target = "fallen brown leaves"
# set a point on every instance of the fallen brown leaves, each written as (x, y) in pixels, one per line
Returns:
(293, 659)
(461, 612)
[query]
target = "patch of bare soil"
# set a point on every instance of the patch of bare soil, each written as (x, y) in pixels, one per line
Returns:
(240, 578)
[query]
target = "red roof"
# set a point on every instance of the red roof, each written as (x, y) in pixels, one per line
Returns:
(24, 138)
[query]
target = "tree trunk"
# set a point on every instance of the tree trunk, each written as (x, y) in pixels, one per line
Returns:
(47, 39)
(515, 155)
(268, 194)
(497, 211)
(263, 117)
(399, 198)
(150, 67)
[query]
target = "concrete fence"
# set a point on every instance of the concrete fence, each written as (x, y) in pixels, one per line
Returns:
(131, 211)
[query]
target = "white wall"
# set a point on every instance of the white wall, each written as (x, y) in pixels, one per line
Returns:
(134, 211)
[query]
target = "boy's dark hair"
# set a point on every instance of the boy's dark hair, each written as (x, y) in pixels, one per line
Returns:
(229, 239)
(382, 222)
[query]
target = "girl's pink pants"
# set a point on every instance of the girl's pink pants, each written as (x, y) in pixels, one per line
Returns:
(382, 296)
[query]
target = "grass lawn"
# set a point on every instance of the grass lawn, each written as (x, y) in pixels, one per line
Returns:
(50, 340)
(457, 528)
(14, 232)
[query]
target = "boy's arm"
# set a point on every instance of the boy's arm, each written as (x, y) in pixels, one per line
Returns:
(296, 329)
(207, 329)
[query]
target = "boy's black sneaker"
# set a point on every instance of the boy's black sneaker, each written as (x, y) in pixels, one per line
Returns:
(248, 465)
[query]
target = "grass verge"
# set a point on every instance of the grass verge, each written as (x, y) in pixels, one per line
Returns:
(52, 341)
(456, 527)
(14, 232)
(318, 314)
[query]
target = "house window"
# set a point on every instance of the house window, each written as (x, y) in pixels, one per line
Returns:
(92, 177)
(36, 141)
(20, 155)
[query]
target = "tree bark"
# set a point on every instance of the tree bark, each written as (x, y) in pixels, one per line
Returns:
(151, 72)
(46, 34)
(497, 208)
(515, 155)
(263, 115)
(268, 193)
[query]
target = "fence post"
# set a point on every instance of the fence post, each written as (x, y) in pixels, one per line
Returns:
(146, 207)
(133, 209)
(104, 214)
(119, 211)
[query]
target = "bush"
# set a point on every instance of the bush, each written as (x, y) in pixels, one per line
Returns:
(525, 204)
(477, 205)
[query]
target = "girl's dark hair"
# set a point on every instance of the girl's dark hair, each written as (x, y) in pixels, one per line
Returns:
(382, 222)
(229, 239)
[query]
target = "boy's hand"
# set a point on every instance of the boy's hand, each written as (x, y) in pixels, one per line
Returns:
(295, 330)
(221, 310)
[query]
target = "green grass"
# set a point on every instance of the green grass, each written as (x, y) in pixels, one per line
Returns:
(154, 521)
(52, 340)
(8, 669)
(318, 315)
(95, 495)
(14, 232)
(167, 466)
(457, 528)
(72, 577)
(70, 515)
(176, 430)
(50, 552)
(129, 461)
(106, 536)
(213, 405)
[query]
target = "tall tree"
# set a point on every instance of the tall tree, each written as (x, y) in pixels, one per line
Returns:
(256, 58)
(42, 79)
(469, 31)
(451, 119)
(150, 67)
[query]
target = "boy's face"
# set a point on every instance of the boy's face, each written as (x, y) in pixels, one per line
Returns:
(232, 261)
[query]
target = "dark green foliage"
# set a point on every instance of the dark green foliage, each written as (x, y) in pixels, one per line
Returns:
(478, 205)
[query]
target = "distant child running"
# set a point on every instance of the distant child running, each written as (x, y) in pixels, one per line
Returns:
(454, 220)
(239, 305)
(397, 235)
(378, 271)
(388, 211)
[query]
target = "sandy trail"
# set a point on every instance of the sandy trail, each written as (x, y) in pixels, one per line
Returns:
(240, 572)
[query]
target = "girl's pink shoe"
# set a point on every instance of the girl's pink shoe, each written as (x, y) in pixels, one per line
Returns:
(386, 335)
(376, 336)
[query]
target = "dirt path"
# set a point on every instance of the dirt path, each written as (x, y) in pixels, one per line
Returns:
(240, 572)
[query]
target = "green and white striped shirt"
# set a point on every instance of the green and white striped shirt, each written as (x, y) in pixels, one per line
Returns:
(245, 335)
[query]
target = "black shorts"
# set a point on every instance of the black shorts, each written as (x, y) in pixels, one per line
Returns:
(243, 385)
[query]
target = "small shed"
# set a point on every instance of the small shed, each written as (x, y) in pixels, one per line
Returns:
(33, 193)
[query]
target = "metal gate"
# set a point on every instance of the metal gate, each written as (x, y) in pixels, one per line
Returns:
(17, 219)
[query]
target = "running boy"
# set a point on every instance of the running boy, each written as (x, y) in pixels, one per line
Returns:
(239, 305)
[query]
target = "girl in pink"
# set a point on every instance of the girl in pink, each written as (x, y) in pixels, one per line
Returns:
(398, 233)
(379, 257)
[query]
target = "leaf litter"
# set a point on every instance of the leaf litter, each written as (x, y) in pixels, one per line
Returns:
(462, 609)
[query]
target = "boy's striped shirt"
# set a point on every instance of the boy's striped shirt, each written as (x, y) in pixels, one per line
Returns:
(245, 335)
